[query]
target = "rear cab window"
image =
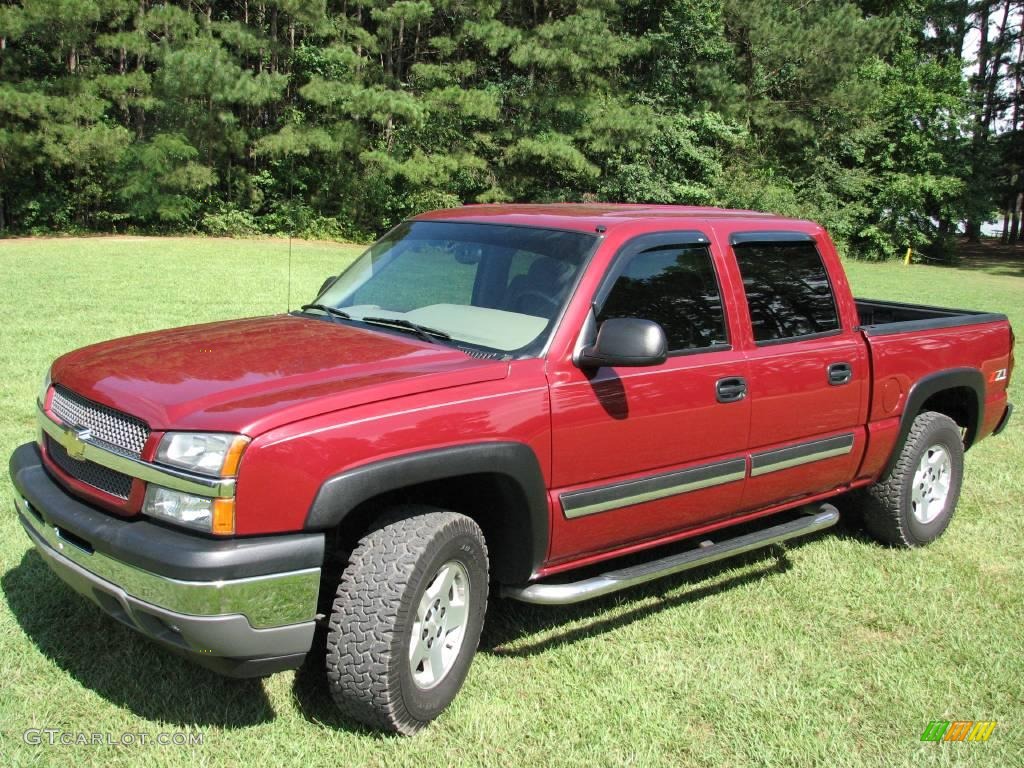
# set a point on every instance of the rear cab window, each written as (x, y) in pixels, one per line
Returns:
(787, 286)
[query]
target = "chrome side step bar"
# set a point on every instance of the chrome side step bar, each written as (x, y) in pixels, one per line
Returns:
(820, 517)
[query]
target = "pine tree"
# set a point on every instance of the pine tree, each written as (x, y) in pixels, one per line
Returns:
(341, 117)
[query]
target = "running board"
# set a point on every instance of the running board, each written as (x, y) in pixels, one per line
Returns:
(819, 518)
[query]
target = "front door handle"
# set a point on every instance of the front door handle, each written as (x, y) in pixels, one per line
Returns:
(731, 389)
(839, 373)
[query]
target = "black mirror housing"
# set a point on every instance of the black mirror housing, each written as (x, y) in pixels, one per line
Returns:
(626, 341)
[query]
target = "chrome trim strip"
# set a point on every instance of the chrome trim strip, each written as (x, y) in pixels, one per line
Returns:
(175, 479)
(266, 601)
(603, 498)
(802, 453)
(823, 517)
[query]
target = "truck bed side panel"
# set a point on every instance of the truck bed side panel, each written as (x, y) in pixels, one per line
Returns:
(900, 360)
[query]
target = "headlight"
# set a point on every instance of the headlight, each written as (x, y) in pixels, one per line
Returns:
(199, 512)
(45, 388)
(210, 453)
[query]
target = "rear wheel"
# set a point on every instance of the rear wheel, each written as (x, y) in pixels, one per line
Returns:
(406, 620)
(914, 503)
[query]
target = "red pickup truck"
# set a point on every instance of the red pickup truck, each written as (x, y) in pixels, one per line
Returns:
(495, 400)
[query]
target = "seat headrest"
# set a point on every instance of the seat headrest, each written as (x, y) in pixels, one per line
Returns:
(548, 271)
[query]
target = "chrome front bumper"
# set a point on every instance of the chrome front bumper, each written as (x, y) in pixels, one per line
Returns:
(266, 601)
(251, 625)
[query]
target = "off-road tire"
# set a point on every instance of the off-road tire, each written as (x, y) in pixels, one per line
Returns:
(369, 673)
(888, 514)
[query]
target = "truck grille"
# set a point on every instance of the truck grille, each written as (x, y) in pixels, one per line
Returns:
(90, 473)
(111, 429)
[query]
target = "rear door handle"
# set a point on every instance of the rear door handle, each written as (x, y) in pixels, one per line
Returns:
(731, 389)
(839, 373)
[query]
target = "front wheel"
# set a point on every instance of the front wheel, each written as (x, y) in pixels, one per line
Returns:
(406, 620)
(914, 503)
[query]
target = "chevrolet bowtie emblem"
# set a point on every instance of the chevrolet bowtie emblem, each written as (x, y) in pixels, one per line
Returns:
(75, 444)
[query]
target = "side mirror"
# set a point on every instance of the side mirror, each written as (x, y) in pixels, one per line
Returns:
(326, 284)
(626, 341)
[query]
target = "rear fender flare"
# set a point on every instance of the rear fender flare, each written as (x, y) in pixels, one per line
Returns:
(954, 378)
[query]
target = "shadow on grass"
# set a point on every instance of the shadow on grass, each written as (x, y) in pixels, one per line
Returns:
(991, 256)
(130, 671)
(314, 702)
(509, 620)
(120, 665)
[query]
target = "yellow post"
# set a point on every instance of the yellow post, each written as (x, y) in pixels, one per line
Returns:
(906, 259)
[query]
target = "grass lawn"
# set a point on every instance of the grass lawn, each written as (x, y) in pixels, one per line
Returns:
(832, 651)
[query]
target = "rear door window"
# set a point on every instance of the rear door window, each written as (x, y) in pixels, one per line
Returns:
(788, 291)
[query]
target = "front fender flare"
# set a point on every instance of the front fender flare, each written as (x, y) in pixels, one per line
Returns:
(516, 463)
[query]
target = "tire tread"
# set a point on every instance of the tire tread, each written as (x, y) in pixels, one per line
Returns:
(367, 611)
(884, 516)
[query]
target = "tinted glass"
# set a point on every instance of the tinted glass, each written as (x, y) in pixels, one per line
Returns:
(425, 272)
(787, 289)
(485, 285)
(674, 286)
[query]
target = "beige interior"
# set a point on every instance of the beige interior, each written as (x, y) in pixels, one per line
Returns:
(488, 327)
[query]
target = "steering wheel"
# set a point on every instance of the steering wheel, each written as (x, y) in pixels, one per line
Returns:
(535, 294)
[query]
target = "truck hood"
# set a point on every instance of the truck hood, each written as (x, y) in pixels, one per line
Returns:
(252, 375)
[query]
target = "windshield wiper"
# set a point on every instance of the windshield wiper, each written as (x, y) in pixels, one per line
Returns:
(423, 331)
(330, 311)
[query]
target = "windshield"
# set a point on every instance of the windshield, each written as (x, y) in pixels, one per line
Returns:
(492, 286)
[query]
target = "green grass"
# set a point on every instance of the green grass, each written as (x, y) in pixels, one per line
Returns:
(833, 651)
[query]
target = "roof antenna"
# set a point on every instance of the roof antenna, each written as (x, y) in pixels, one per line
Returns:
(291, 227)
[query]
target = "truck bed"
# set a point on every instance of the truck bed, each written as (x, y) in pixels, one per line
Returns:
(910, 345)
(880, 318)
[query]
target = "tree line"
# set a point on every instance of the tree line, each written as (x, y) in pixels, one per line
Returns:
(893, 122)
